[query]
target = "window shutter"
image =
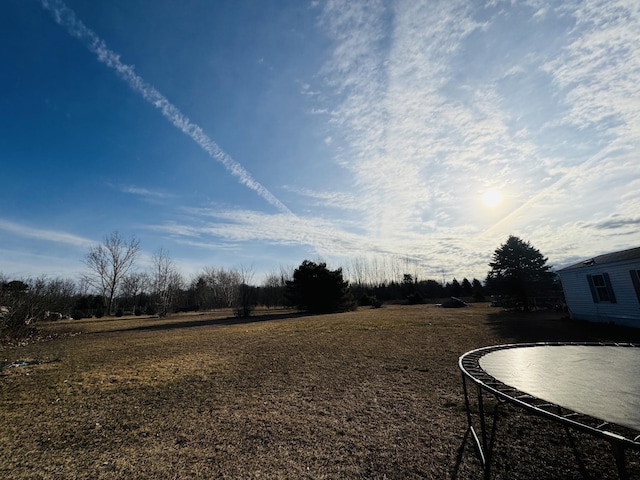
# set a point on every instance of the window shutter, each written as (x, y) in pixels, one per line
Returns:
(607, 282)
(636, 282)
(592, 287)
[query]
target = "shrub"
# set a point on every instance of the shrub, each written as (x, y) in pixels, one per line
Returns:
(243, 311)
(317, 289)
(367, 300)
(415, 299)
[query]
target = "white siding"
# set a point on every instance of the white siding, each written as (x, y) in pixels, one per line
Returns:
(626, 310)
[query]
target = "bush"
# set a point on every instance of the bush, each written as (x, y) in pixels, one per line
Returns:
(369, 301)
(415, 299)
(317, 289)
(243, 311)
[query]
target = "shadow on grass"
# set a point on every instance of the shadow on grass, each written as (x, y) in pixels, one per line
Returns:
(212, 321)
(516, 327)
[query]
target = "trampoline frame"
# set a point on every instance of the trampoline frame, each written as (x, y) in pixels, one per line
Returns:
(619, 437)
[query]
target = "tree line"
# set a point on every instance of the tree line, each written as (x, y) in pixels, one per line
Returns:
(112, 285)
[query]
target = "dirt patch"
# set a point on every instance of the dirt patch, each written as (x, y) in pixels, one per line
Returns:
(374, 393)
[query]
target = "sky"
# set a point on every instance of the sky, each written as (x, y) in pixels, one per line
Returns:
(256, 134)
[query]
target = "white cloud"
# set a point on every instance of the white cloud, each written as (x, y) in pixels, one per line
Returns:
(232, 230)
(144, 192)
(333, 199)
(426, 136)
(18, 264)
(598, 70)
(45, 235)
(430, 103)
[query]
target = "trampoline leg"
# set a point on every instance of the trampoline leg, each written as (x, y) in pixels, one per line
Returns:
(483, 429)
(480, 451)
(621, 463)
(576, 453)
(456, 467)
(477, 446)
(488, 439)
(481, 446)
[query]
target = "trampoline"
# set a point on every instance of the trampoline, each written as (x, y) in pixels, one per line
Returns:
(589, 387)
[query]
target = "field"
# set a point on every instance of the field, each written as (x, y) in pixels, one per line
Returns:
(374, 393)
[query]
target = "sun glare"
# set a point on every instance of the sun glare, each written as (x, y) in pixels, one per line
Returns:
(492, 197)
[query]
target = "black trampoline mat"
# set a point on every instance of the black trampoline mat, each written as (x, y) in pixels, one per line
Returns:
(600, 381)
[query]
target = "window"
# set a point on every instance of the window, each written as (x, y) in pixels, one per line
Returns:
(601, 290)
(635, 279)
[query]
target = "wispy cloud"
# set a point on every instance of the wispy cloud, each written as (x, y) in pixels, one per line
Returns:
(144, 192)
(391, 63)
(429, 102)
(598, 70)
(333, 199)
(616, 222)
(430, 116)
(229, 229)
(65, 17)
(24, 264)
(595, 75)
(45, 234)
(436, 104)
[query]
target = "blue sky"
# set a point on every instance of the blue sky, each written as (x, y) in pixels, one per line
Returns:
(262, 133)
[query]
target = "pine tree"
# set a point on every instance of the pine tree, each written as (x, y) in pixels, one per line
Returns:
(519, 270)
(317, 289)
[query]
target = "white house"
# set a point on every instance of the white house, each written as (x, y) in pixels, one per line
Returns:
(605, 288)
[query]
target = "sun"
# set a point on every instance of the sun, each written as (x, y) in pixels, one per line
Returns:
(492, 197)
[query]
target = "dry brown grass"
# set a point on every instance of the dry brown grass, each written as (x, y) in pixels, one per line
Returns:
(374, 393)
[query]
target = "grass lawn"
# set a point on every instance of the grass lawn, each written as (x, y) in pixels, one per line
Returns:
(374, 393)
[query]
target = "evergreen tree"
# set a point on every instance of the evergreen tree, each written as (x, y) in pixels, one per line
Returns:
(477, 290)
(519, 270)
(455, 288)
(317, 289)
(467, 288)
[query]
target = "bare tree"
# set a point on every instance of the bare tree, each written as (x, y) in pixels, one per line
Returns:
(228, 283)
(60, 295)
(166, 281)
(133, 285)
(246, 293)
(207, 289)
(211, 291)
(24, 302)
(109, 263)
(272, 291)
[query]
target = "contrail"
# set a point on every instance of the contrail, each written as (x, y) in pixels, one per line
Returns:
(66, 18)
